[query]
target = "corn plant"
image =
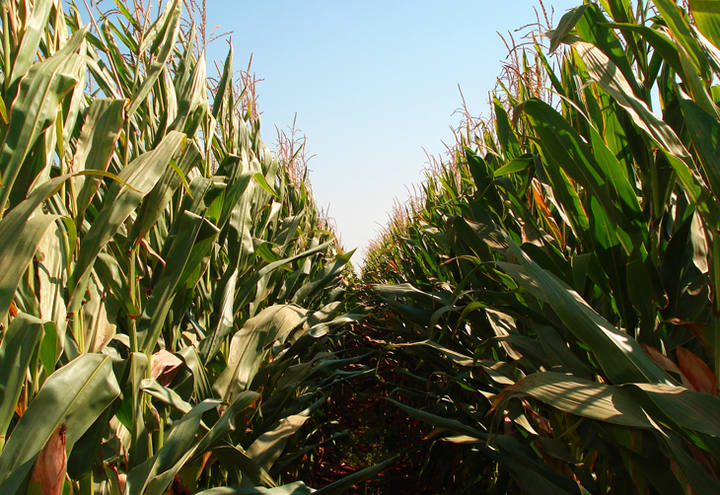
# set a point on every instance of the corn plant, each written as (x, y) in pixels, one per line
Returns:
(558, 284)
(167, 285)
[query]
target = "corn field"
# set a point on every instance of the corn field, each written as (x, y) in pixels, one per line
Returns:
(176, 313)
(168, 286)
(557, 282)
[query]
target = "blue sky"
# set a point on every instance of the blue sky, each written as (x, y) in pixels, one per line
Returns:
(372, 83)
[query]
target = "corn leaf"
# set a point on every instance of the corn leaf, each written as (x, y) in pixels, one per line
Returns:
(73, 396)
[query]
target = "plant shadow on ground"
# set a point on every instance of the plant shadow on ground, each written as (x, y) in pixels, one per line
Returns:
(361, 428)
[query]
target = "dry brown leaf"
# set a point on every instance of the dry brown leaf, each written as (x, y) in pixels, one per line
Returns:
(698, 373)
(667, 364)
(51, 464)
(164, 366)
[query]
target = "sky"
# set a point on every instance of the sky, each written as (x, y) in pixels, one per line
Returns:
(374, 85)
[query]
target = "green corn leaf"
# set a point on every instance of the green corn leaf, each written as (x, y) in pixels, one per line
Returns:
(165, 395)
(163, 39)
(159, 483)
(404, 290)
(267, 448)
(593, 28)
(583, 397)
(696, 86)
(505, 132)
(95, 146)
(343, 484)
(260, 178)
(126, 13)
(3, 111)
(662, 45)
(705, 135)
(192, 99)
(178, 442)
(223, 96)
(514, 166)
(20, 237)
(34, 29)
(322, 279)
(19, 342)
(238, 210)
(236, 456)
(597, 170)
(154, 206)
(706, 14)
(533, 476)
(74, 104)
(277, 264)
(688, 409)
(251, 344)
(697, 476)
(35, 108)
(223, 315)
(130, 413)
(73, 396)
(124, 36)
(141, 174)
(17, 248)
(193, 361)
(119, 69)
(609, 78)
(567, 23)
(297, 488)
(618, 354)
(187, 249)
(677, 21)
(447, 424)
